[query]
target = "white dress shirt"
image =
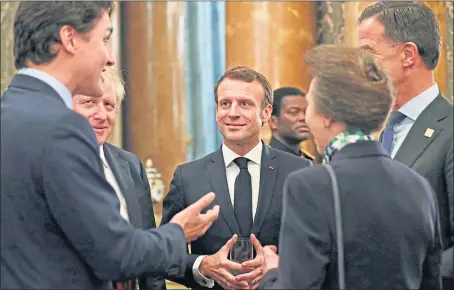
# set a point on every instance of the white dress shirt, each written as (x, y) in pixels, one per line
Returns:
(412, 109)
(110, 177)
(232, 170)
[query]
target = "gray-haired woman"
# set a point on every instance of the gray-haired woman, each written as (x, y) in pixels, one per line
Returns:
(389, 215)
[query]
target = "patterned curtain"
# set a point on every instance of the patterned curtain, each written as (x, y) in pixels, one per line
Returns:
(205, 64)
(8, 11)
(449, 51)
(330, 22)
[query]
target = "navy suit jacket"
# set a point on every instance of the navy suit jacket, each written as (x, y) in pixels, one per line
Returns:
(390, 225)
(196, 178)
(432, 157)
(61, 224)
(133, 182)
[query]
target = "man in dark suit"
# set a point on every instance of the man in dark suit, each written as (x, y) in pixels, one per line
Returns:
(123, 170)
(288, 121)
(243, 97)
(419, 132)
(61, 223)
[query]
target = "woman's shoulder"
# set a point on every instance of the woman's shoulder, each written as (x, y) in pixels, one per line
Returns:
(312, 178)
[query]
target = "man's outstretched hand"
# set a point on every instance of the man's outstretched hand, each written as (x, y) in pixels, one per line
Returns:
(193, 222)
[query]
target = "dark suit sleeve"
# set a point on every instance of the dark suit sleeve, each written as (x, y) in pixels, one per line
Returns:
(431, 277)
(174, 203)
(447, 258)
(304, 243)
(86, 209)
(150, 282)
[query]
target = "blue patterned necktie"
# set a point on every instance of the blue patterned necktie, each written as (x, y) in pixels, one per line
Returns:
(388, 134)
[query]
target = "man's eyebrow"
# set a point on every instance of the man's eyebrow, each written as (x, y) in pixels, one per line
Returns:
(109, 31)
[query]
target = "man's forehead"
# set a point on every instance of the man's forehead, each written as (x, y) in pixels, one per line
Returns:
(294, 100)
(370, 28)
(230, 86)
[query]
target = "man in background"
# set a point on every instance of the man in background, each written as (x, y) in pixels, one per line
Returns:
(405, 39)
(288, 121)
(248, 178)
(60, 221)
(123, 170)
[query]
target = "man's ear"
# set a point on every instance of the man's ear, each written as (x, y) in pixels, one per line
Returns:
(273, 123)
(409, 54)
(68, 39)
(266, 113)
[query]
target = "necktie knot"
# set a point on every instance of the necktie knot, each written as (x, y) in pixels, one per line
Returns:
(395, 118)
(241, 162)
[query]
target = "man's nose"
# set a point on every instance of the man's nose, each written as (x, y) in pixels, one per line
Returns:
(233, 112)
(100, 114)
(302, 116)
(110, 58)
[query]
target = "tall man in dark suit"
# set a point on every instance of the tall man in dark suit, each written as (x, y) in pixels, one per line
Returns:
(61, 223)
(123, 170)
(405, 38)
(248, 179)
(288, 121)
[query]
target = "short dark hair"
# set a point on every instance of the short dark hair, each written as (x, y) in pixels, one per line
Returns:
(409, 22)
(248, 75)
(37, 25)
(280, 94)
(350, 87)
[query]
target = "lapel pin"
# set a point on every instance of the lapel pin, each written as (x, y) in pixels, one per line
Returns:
(429, 132)
(271, 167)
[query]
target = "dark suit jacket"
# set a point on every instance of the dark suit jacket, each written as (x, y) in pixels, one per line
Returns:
(194, 179)
(276, 144)
(433, 158)
(390, 224)
(133, 182)
(61, 225)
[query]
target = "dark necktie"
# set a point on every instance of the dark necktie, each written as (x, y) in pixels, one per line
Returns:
(388, 134)
(243, 198)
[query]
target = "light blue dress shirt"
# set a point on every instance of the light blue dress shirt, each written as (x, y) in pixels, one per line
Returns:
(60, 88)
(412, 109)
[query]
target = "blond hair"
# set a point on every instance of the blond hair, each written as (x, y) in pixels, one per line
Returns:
(113, 80)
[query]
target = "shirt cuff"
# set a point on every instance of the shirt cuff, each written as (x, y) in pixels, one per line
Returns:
(198, 277)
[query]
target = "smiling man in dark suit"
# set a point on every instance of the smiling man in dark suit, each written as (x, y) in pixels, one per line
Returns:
(248, 178)
(123, 170)
(405, 39)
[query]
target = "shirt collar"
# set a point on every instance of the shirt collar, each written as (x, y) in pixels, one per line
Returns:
(255, 155)
(55, 84)
(103, 157)
(413, 108)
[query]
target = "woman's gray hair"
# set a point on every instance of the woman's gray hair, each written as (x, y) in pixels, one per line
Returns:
(350, 87)
(112, 79)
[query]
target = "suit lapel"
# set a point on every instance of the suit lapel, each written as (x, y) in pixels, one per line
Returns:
(268, 175)
(121, 171)
(416, 141)
(218, 180)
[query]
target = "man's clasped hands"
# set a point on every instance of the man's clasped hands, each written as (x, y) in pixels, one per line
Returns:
(219, 268)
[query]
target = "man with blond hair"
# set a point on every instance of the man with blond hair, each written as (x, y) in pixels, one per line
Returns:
(123, 170)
